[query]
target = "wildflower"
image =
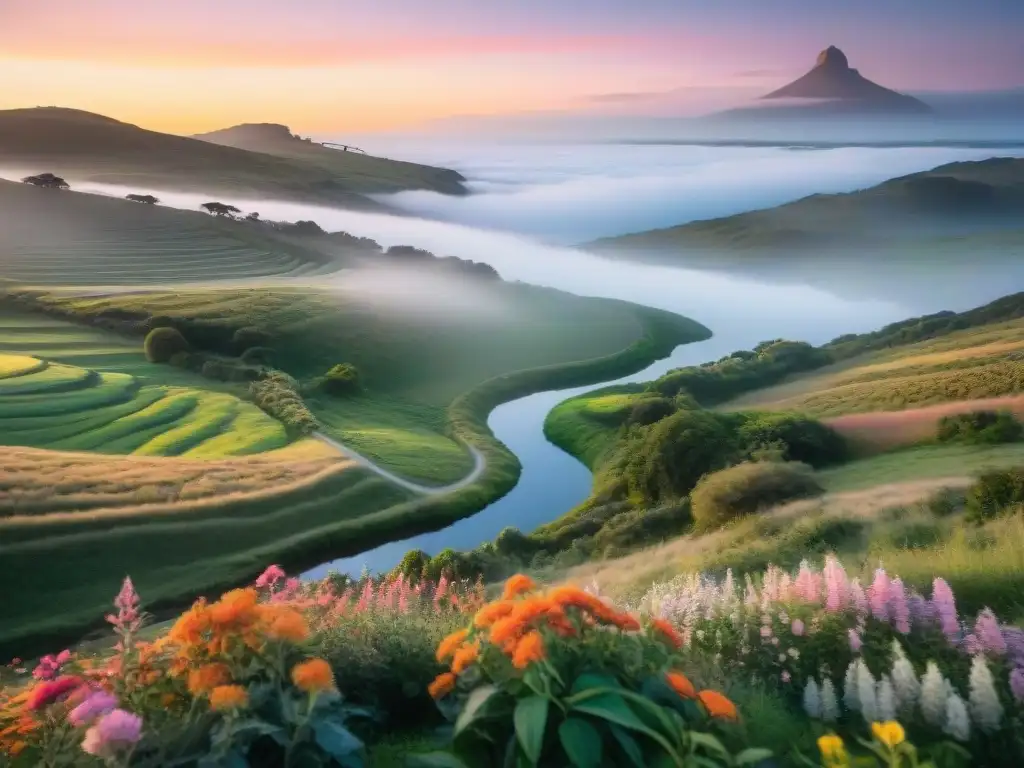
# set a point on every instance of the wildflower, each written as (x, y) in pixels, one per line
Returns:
(934, 693)
(464, 657)
(808, 584)
(829, 702)
(668, 632)
(850, 697)
(48, 666)
(945, 607)
(867, 693)
(986, 710)
(859, 599)
(812, 700)
(889, 733)
(447, 647)
(529, 649)
(1014, 640)
(128, 618)
(785, 676)
(443, 684)
(491, 612)
(886, 699)
(517, 585)
(989, 634)
(288, 624)
(797, 627)
(833, 753)
(957, 721)
(228, 697)
(899, 610)
(1017, 684)
(718, 706)
(235, 608)
(878, 595)
(48, 692)
(97, 704)
(313, 676)
(191, 625)
(855, 641)
(681, 684)
(270, 577)
(904, 680)
(114, 731)
(207, 677)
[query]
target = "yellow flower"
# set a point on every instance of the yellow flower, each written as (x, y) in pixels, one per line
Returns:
(889, 733)
(443, 684)
(518, 585)
(833, 753)
(313, 676)
(225, 697)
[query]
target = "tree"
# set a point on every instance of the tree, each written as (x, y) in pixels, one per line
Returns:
(342, 379)
(220, 209)
(47, 181)
(163, 343)
(254, 216)
(146, 199)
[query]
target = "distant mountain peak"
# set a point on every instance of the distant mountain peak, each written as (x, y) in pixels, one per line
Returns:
(832, 58)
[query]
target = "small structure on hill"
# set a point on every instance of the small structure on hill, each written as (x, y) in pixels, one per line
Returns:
(145, 199)
(47, 181)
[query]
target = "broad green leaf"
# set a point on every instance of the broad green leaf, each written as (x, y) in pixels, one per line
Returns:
(581, 742)
(592, 680)
(474, 706)
(336, 739)
(434, 760)
(708, 742)
(752, 756)
(613, 708)
(231, 760)
(629, 746)
(531, 719)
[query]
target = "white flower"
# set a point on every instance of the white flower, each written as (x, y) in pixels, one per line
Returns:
(794, 653)
(904, 680)
(850, 698)
(985, 707)
(886, 700)
(867, 693)
(958, 722)
(829, 703)
(812, 700)
(934, 694)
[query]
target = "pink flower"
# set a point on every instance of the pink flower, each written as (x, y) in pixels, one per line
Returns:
(855, 641)
(99, 703)
(127, 618)
(898, 607)
(786, 677)
(878, 595)
(836, 585)
(50, 691)
(49, 666)
(808, 584)
(972, 645)
(859, 599)
(270, 577)
(797, 627)
(112, 732)
(989, 634)
(945, 607)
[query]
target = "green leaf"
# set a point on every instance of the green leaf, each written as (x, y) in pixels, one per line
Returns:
(531, 719)
(474, 706)
(592, 680)
(612, 707)
(336, 739)
(629, 746)
(752, 756)
(581, 742)
(708, 742)
(434, 760)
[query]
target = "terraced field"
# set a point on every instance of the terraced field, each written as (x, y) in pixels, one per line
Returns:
(71, 238)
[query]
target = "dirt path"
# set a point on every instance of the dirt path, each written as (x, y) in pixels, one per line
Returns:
(479, 465)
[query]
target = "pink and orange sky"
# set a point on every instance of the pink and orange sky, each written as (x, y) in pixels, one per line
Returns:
(326, 66)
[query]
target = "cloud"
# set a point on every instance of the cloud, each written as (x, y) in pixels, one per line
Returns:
(617, 98)
(757, 73)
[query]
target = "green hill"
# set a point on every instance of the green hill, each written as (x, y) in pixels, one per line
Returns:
(83, 146)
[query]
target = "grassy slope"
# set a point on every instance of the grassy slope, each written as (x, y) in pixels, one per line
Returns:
(365, 173)
(52, 237)
(82, 145)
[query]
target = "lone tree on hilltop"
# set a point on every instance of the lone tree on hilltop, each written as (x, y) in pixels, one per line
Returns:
(147, 199)
(46, 180)
(220, 209)
(254, 216)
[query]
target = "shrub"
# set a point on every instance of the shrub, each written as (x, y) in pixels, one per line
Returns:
(277, 394)
(259, 355)
(162, 343)
(342, 379)
(748, 488)
(190, 361)
(980, 428)
(216, 370)
(995, 493)
(649, 411)
(250, 336)
(800, 438)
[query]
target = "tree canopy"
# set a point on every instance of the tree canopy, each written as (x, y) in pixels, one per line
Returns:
(47, 180)
(220, 209)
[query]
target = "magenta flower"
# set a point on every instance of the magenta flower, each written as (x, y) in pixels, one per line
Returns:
(898, 607)
(128, 619)
(112, 733)
(98, 704)
(798, 627)
(808, 584)
(855, 641)
(945, 607)
(859, 599)
(836, 585)
(989, 634)
(270, 577)
(878, 595)
(49, 666)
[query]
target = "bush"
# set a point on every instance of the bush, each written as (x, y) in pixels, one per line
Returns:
(980, 428)
(799, 438)
(746, 489)
(162, 343)
(277, 394)
(650, 411)
(258, 355)
(250, 336)
(342, 379)
(216, 370)
(190, 361)
(995, 493)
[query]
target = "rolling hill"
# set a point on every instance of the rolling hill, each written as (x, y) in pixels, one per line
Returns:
(84, 146)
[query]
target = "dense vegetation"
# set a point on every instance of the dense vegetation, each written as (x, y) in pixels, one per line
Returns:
(980, 428)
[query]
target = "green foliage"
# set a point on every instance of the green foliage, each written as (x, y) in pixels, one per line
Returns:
(995, 493)
(800, 438)
(650, 410)
(163, 343)
(746, 489)
(277, 394)
(980, 428)
(667, 459)
(258, 355)
(250, 336)
(414, 563)
(342, 379)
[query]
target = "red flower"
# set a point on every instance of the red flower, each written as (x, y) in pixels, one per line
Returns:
(50, 691)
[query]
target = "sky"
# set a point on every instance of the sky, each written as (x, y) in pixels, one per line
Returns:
(330, 66)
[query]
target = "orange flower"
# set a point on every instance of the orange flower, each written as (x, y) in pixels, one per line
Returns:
(288, 624)
(443, 684)
(207, 677)
(718, 705)
(681, 684)
(668, 633)
(191, 625)
(625, 622)
(491, 612)
(167, 699)
(506, 630)
(529, 649)
(313, 675)
(447, 647)
(226, 697)
(237, 607)
(465, 656)
(517, 585)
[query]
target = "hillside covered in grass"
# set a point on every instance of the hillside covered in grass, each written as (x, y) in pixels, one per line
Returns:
(88, 147)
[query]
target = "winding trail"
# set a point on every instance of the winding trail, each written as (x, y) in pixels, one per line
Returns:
(479, 465)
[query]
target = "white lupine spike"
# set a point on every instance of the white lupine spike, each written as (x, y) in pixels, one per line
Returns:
(829, 702)
(867, 693)
(812, 700)
(986, 710)
(886, 699)
(904, 680)
(957, 721)
(934, 695)
(850, 697)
